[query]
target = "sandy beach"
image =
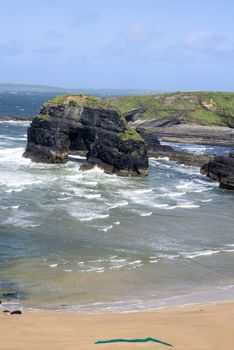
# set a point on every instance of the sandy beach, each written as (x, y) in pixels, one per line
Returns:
(193, 327)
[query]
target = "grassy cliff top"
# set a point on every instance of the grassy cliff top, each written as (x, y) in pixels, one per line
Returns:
(205, 108)
(83, 101)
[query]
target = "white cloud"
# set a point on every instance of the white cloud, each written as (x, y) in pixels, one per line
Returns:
(11, 48)
(208, 42)
(84, 17)
(132, 43)
(50, 50)
(53, 34)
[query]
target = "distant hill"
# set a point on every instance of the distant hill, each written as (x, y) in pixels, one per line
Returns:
(31, 88)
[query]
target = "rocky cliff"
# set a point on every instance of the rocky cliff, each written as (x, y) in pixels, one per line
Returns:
(221, 169)
(155, 149)
(76, 122)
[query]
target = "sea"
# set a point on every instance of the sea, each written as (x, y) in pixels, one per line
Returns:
(90, 242)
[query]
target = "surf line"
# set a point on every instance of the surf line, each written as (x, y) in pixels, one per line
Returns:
(145, 340)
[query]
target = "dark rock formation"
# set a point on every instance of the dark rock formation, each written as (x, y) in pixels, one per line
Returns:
(163, 123)
(155, 149)
(175, 130)
(85, 123)
(150, 138)
(221, 169)
(134, 114)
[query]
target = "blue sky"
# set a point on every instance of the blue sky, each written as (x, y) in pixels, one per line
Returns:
(163, 45)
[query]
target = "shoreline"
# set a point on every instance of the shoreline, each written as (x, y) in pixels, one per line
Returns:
(193, 327)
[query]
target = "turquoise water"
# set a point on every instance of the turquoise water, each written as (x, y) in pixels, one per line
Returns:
(89, 241)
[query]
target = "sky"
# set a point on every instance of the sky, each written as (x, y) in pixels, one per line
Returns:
(166, 45)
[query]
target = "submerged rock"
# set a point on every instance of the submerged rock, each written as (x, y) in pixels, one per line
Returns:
(73, 123)
(221, 169)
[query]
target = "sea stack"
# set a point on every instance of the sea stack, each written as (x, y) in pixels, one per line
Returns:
(84, 123)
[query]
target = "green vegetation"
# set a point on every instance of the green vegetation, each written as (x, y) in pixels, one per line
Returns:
(131, 134)
(82, 101)
(134, 154)
(72, 103)
(58, 100)
(43, 116)
(206, 108)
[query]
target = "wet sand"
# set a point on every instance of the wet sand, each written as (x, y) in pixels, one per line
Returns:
(194, 327)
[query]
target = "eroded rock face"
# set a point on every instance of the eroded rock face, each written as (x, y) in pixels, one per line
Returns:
(110, 143)
(221, 169)
(155, 149)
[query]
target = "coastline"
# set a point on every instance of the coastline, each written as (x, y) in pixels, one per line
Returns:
(193, 327)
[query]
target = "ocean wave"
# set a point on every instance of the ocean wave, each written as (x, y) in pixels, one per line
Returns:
(24, 123)
(193, 186)
(116, 205)
(92, 217)
(187, 205)
(13, 155)
(197, 254)
(145, 213)
(4, 137)
(105, 228)
(9, 207)
(18, 221)
(92, 196)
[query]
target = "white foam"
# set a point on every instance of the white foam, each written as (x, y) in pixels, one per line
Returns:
(72, 156)
(193, 186)
(118, 260)
(118, 204)
(9, 207)
(117, 267)
(14, 190)
(141, 191)
(176, 194)
(13, 155)
(135, 262)
(64, 199)
(94, 269)
(53, 265)
(105, 229)
(94, 217)
(227, 251)
(160, 206)
(199, 253)
(187, 205)
(168, 256)
(16, 122)
(90, 183)
(19, 220)
(145, 213)
(92, 196)
(4, 137)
